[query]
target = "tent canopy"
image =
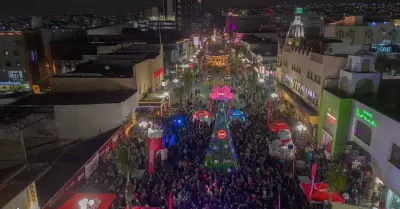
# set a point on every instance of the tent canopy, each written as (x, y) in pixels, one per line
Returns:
(236, 112)
(201, 114)
(78, 201)
(278, 125)
(320, 192)
(284, 134)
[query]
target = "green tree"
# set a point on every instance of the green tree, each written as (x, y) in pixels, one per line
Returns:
(179, 92)
(125, 166)
(188, 78)
(336, 181)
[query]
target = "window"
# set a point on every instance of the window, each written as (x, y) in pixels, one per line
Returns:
(18, 63)
(16, 53)
(363, 132)
(6, 52)
(395, 155)
(8, 63)
(319, 79)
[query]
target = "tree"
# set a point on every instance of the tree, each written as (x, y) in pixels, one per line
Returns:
(188, 82)
(179, 92)
(125, 166)
(336, 181)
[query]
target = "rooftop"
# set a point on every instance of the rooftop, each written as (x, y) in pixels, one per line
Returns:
(118, 70)
(53, 180)
(156, 96)
(257, 40)
(74, 98)
(374, 101)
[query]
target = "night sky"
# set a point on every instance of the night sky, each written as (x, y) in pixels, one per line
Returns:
(28, 7)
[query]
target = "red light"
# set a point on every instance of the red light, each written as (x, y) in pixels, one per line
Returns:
(191, 65)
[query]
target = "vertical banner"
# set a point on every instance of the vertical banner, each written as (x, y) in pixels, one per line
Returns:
(196, 41)
(151, 160)
(91, 165)
(313, 175)
(170, 203)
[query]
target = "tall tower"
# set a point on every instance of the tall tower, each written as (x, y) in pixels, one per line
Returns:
(188, 13)
(296, 32)
(221, 153)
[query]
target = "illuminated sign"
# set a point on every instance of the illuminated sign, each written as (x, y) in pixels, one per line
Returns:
(221, 134)
(299, 10)
(367, 116)
(158, 72)
(331, 119)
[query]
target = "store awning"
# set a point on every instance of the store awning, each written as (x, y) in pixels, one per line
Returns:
(98, 201)
(300, 104)
(154, 99)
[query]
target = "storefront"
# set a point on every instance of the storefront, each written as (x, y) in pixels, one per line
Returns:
(156, 102)
(333, 124)
(296, 109)
(377, 135)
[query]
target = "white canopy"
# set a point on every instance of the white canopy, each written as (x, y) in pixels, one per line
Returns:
(284, 134)
(154, 133)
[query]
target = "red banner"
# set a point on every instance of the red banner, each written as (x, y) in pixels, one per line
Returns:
(158, 72)
(79, 175)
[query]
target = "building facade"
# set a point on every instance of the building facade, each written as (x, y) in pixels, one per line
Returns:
(14, 65)
(357, 31)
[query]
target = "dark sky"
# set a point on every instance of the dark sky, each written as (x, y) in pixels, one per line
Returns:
(27, 7)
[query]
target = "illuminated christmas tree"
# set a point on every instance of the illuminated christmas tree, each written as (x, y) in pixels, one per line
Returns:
(221, 153)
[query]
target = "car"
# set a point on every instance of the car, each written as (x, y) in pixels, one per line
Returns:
(208, 77)
(227, 77)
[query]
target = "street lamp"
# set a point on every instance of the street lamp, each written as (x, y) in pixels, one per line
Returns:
(243, 60)
(175, 80)
(261, 80)
(274, 95)
(191, 60)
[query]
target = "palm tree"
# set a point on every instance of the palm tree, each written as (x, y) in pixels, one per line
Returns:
(188, 82)
(179, 92)
(125, 166)
(336, 181)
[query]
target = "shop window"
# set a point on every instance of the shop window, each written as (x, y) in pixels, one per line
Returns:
(395, 155)
(363, 132)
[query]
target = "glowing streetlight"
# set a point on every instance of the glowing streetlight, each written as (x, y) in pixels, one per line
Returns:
(261, 80)
(243, 60)
(274, 95)
(194, 56)
(191, 60)
(175, 80)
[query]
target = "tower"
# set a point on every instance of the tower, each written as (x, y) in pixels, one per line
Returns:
(295, 34)
(221, 153)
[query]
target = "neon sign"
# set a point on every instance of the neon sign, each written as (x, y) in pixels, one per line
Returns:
(367, 116)
(331, 119)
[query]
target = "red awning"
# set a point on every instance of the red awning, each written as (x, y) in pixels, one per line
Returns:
(202, 114)
(98, 201)
(320, 192)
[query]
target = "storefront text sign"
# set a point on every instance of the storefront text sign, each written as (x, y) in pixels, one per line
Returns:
(366, 116)
(331, 119)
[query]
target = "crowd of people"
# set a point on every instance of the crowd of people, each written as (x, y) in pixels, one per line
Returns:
(260, 181)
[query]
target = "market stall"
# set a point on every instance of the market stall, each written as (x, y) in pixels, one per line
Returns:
(202, 115)
(155, 146)
(238, 115)
(320, 192)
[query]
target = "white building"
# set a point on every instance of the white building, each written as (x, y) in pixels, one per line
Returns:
(83, 115)
(357, 31)
(13, 62)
